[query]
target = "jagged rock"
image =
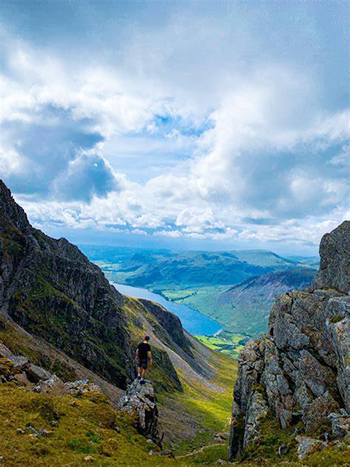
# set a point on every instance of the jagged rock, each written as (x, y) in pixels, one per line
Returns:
(18, 362)
(139, 400)
(302, 366)
(256, 411)
(53, 385)
(36, 373)
(308, 445)
(4, 351)
(335, 260)
(81, 386)
(340, 425)
(317, 413)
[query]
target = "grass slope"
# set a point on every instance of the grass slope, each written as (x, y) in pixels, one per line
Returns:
(86, 430)
(225, 342)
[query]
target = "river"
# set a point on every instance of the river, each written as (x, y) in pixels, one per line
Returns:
(194, 322)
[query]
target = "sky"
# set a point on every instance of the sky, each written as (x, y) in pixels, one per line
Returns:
(183, 124)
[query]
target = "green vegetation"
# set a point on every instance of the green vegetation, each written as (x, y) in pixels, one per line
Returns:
(272, 437)
(265, 450)
(225, 342)
(76, 427)
(336, 319)
(161, 269)
(207, 404)
(79, 430)
(243, 308)
(236, 288)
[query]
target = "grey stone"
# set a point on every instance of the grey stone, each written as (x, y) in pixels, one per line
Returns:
(301, 368)
(36, 373)
(307, 446)
(340, 425)
(335, 260)
(139, 400)
(4, 351)
(82, 386)
(257, 411)
(18, 362)
(52, 385)
(317, 413)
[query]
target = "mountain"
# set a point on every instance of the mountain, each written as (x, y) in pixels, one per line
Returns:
(49, 289)
(246, 306)
(200, 280)
(297, 376)
(162, 269)
(58, 310)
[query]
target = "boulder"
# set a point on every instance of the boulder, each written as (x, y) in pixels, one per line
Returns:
(4, 351)
(82, 386)
(52, 385)
(139, 400)
(36, 373)
(19, 363)
(308, 445)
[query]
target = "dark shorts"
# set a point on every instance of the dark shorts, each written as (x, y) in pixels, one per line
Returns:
(143, 363)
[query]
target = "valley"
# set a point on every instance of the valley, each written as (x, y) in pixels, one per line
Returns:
(58, 311)
(234, 288)
(67, 346)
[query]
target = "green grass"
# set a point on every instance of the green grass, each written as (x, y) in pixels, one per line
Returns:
(209, 406)
(226, 342)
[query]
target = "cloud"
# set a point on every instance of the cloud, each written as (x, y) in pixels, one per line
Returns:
(85, 177)
(195, 126)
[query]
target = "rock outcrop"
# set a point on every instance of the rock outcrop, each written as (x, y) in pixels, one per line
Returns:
(300, 370)
(19, 371)
(139, 401)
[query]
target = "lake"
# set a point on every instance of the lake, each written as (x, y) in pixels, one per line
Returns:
(193, 321)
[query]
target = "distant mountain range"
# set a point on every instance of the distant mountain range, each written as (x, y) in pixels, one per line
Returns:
(163, 268)
(237, 288)
(246, 306)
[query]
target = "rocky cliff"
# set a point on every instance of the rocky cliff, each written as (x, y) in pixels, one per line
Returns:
(300, 371)
(52, 291)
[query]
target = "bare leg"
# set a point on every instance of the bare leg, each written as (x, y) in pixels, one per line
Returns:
(143, 373)
(139, 371)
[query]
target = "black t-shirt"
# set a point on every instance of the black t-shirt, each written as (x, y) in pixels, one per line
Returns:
(143, 349)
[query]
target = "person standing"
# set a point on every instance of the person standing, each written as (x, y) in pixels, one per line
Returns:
(144, 358)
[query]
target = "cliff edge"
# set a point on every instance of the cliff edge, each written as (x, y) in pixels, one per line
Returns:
(299, 372)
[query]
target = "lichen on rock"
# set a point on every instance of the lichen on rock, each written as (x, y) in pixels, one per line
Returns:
(139, 401)
(300, 370)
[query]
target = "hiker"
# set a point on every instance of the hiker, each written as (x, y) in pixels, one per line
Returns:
(144, 358)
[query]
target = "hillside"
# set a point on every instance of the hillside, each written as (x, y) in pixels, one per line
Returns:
(59, 310)
(235, 288)
(246, 307)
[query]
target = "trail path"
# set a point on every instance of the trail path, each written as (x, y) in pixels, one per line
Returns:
(197, 451)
